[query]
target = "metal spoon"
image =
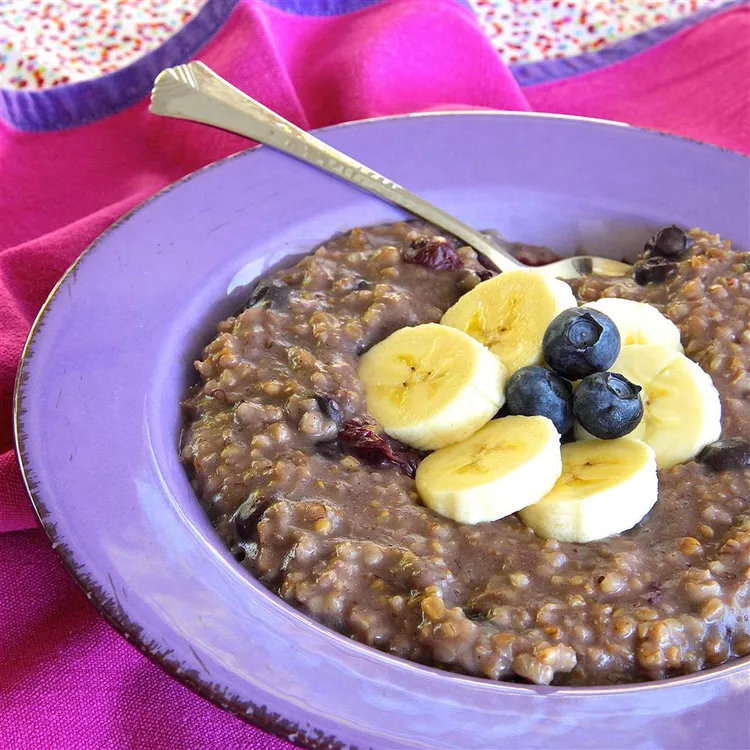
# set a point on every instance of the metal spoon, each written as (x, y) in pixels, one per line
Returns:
(194, 92)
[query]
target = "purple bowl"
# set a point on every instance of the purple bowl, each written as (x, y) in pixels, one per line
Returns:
(109, 358)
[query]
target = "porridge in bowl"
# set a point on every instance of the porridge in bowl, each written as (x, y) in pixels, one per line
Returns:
(454, 529)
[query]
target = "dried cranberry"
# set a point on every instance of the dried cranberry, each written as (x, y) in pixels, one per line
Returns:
(653, 269)
(407, 460)
(360, 438)
(670, 242)
(273, 294)
(533, 255)
(726, 455)
(433, 252)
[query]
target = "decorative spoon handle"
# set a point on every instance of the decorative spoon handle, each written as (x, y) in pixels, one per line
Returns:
(194, 92)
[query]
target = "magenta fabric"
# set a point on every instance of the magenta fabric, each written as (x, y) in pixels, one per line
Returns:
(67, 680)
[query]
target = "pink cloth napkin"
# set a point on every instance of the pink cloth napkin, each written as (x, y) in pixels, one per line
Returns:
(67, 681)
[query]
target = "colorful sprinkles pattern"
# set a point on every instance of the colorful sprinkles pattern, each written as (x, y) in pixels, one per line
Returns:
(46, 44)
(533, 30)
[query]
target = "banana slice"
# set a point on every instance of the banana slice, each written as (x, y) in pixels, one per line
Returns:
(509, 464)
(639, 322)
(606, 487)
(430, 386)
(510, 313)
(681, 407)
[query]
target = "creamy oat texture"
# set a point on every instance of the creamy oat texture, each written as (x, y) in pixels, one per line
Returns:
(349, 543)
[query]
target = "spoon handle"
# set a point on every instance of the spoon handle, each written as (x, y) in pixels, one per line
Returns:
(194, 92)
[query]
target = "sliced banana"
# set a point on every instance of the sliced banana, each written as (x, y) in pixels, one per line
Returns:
(430, 386)
(639, 322)
(606, 487)
(510, 463)
(681, 407)
(510, 313)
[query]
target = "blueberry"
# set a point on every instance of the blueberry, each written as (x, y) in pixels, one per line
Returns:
(273, 294)
(330, 408)
(484, 274)
(579, 342)
(244, 551)
(475, 615)
(670, 242)
(248, 514)
(607, 405)
(653, 269)
(535, 391)
(726, 455)
(331, 451)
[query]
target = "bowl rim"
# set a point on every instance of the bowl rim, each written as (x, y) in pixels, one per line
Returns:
(107, 606)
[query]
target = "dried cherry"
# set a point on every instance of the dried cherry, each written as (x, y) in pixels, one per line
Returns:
(433, 252)
(360, 438)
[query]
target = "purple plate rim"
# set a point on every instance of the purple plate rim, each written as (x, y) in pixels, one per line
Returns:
(109, 607)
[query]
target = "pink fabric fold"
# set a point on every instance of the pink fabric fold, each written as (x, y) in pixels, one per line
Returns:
(67, 681)
(694, 84)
